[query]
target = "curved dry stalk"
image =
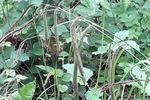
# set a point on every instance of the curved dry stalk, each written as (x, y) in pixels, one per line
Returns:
(77, 58)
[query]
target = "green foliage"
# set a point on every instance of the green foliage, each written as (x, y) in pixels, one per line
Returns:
(101, 50)
(37, 51)
(93, 93)
(87, 73)
(62, 88)
(104, 3)
(87, 8)
(36, 2)
(24, 93)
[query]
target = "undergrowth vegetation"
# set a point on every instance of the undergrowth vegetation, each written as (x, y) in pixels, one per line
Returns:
(74, 50)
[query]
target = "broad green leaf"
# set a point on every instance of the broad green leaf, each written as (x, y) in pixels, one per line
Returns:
(84, 11)
(64, 54)
(22, 5)
(59, 72)
(147, 5)
(69, 67)
(18, 0)
(87, 8)
(122, 35)
(23, 57)
(1, 33)
(146, 21)
(24, 93)
(85, 3)
(1, 1)
(5, 97)
(139, 74)
(81, 91)
(9, 63)
(87, 73)
(131, 44)
(85, 40)
(62, 88)
(147, 89)
(48, 69)
(37, 51)
(93, 94)
(19, 55)
(2, 79)
(127, 45)
(36, 2)
(27, 91)
(15, 96)
(10, 79)
(89, 3)
(130, 16)
(8, 44)
(139, 1)
(135, 84)
(9, 72)
(66, 97)
(66, 77)
(134, 34)
(68, 40)
(101, 50)
(126, 3)
(104, 3)
(61, 29)
(20, 77)
(42, 34)
(112, 28)
(7, 52)
(52, 98)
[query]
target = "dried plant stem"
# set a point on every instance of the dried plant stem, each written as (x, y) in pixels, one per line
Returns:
(77, 58)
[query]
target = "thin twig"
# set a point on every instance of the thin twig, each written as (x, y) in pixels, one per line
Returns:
(108, 86)
(11, 33)
(20, 18)
(84, 33)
